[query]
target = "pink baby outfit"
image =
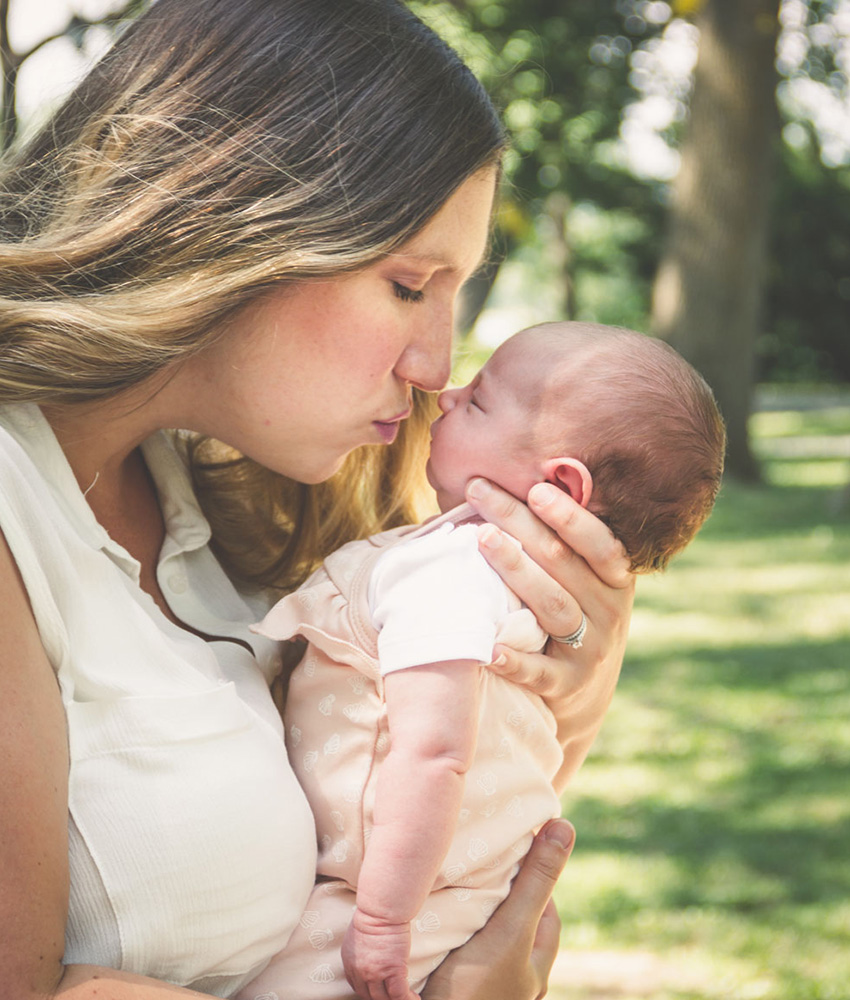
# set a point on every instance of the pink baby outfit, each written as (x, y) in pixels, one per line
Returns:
(337, 736)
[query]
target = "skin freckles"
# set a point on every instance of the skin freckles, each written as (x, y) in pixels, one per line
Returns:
(325, 366)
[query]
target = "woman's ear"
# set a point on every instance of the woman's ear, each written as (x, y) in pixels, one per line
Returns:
(572, 476)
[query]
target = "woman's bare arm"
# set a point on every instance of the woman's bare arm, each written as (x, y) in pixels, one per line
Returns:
(570, 564)
(33, 801)
(93, 982)
(34, 823)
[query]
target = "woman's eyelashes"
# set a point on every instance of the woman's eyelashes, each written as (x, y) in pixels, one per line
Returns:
(407, 294)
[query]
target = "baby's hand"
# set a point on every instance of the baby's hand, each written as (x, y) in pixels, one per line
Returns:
(374, 954)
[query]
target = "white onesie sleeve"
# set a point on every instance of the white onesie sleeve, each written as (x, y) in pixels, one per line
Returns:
(435, 598)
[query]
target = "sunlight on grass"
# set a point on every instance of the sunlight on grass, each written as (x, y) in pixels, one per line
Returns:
(712, 815)
(825, 473)
(798, 423)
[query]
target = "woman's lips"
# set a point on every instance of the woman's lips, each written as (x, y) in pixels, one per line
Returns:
(388, 429)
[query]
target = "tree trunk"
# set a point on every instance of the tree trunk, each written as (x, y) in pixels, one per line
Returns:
(708, 289)
(9, 72)
(474, 295)
(558, 251)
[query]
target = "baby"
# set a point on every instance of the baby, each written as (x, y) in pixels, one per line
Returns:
(427, 774)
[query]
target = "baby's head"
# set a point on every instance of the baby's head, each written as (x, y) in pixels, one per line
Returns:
(617, 419)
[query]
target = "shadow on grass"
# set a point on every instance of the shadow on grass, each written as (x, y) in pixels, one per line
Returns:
(770, 826)
(755, 512)
(808, 668)
(724, 858)
(714, 812)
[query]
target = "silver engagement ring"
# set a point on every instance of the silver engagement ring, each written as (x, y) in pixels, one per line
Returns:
(574, 638)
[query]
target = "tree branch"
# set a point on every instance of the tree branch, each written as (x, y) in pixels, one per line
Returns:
(11, 61)
(78, 25)
(9, 70)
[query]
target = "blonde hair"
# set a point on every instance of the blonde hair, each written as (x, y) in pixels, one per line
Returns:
(273, 532)
(217, 151)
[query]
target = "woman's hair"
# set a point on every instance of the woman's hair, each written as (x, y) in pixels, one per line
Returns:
(218, 150)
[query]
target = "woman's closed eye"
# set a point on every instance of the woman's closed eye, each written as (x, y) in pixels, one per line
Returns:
(407, 294)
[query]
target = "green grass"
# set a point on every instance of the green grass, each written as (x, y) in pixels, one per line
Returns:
(713, 814)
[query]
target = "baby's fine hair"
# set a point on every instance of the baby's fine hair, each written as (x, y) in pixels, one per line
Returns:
(651, 436)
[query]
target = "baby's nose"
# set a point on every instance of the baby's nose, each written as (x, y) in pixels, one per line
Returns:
(447, 399)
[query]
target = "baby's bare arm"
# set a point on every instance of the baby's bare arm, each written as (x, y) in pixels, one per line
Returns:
(432, 712)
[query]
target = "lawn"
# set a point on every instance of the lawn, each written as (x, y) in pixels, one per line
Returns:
(713, 814)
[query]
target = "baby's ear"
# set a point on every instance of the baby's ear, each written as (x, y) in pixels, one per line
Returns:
(572, 476)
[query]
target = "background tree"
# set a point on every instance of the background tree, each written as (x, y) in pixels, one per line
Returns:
(708, 290)
(808, 280)
(561, 75)
(750, 285)
(11, 61)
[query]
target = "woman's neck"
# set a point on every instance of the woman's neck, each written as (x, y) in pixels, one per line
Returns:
(99, 438)
(101, 443)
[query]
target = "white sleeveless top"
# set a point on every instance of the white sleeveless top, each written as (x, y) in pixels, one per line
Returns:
(192, 848)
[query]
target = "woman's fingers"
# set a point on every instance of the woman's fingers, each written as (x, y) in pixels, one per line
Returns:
(547, 941)
(574, 532)
(528, 912)
(583, 532)
(532, 889)
(550, 573)
(557, 610)
(537, 673)
(569, 564)
(510, 957)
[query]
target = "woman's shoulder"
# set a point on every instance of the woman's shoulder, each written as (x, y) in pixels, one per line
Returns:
(18, 422)
(21, 482)
(29, 452)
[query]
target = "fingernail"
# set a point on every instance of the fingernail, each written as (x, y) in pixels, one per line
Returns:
(500, 660)
(478, 489)
(562, 833)
(489, 536)
(542, 494)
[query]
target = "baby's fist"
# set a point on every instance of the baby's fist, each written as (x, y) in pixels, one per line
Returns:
(374, 955)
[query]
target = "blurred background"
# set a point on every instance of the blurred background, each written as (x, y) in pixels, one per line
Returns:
(682, 168)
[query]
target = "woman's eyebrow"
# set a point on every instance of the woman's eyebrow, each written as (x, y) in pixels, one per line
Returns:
(423, 257)
(441, 261)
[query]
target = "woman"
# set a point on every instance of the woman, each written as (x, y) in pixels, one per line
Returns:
(250, 221)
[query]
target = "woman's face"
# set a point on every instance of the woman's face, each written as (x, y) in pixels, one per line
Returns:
(308, 373)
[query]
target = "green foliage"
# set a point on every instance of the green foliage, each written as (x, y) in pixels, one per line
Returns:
(564, 76)
(713, 816)
(561, 75)
(613, 267)
(808, 280)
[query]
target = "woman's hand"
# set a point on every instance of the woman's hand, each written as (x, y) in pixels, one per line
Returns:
(570, 564)
(511, 956)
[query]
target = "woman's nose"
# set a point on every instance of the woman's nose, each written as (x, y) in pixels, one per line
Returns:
(427, 360)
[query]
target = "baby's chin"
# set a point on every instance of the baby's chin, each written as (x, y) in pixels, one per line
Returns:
(445, 499)
(448, 501)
